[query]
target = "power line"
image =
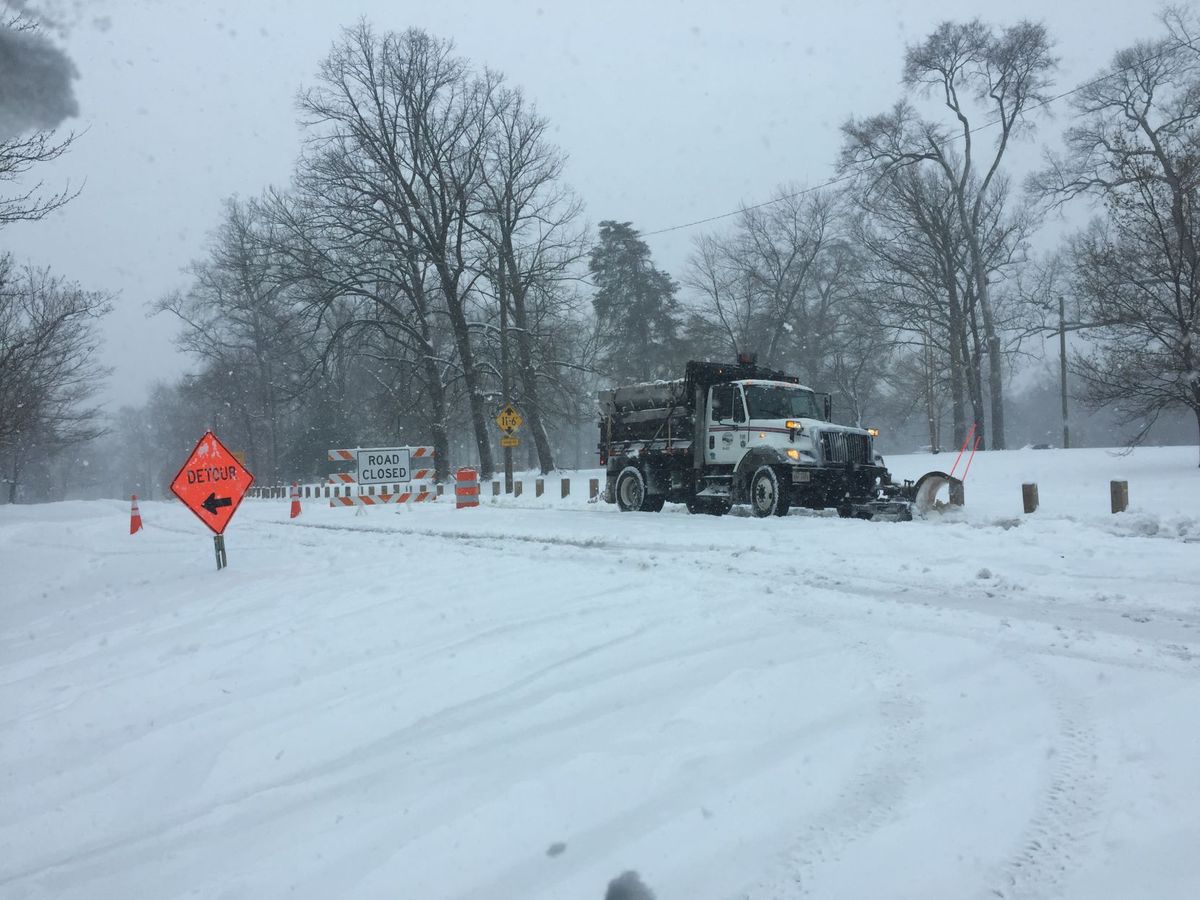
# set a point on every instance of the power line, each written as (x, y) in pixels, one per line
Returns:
(955, 137)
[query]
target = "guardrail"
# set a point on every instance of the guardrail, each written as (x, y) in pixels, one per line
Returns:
(324, 491)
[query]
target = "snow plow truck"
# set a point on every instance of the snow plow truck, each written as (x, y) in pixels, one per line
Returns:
(743, 434)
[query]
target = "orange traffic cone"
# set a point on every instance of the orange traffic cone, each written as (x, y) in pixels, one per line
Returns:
(135, 518)
(295, 501)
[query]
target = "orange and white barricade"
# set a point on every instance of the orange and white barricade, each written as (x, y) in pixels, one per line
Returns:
(419, 494)
(466, 488)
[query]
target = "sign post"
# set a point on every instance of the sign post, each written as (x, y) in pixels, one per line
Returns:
(508, 420)
(211, 484)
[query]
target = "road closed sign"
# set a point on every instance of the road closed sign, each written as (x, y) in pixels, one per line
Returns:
(384, 465)
(212, 483)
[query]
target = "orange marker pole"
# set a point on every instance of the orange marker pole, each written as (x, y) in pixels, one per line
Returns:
(970, 434)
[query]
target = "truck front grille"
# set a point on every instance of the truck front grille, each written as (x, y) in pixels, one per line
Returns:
(839, 447)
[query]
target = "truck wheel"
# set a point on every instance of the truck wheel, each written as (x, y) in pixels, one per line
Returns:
(766, 496)
(631, 492)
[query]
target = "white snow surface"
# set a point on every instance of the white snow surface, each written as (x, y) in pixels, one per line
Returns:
(527, 699)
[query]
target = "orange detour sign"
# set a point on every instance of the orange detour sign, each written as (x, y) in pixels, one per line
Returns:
(212, 482)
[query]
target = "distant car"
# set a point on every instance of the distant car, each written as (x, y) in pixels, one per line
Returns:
(1043, 446)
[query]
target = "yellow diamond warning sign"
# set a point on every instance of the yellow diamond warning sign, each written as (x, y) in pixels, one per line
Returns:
(508, 419)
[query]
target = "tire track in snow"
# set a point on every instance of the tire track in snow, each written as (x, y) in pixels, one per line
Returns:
(876, 585)
(1055, 841)
(872, 796)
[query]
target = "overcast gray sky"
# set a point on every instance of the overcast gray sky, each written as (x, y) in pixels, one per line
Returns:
(669, 112)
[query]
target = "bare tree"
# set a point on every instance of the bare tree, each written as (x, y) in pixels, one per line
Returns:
(756, 284)
(48, 367)
(35, 96)
(367, 285)
(1006, 73)
(1134, 149)
(240, 317)
(414, 121)
(528, 220)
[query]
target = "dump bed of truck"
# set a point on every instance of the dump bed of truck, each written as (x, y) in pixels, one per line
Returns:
(645, 396)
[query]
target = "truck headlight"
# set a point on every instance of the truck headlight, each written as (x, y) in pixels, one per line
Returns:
(793, 453)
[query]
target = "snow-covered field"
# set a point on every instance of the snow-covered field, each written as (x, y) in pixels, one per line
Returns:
(527, 699)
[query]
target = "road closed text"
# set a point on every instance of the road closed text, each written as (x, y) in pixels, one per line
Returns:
(382, 466)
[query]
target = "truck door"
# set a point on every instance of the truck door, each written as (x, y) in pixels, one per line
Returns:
(726, 425)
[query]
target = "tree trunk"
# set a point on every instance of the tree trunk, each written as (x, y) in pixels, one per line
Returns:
(1197, 411)
(973, 354)
(995, 384)
(533, 408)
(437, 419)
(995, 364)
(14, 478)
(466, 356)
(956, 366)
(935, 437)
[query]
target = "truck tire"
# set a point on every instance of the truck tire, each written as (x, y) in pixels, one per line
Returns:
(766, 496)
(631, 492)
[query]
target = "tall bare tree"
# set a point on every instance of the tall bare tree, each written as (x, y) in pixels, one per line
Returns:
(529, 222)
(982, 77)
(414, 121)
(49, 372)
(1135, 149)
(240, 317)
(756, 283)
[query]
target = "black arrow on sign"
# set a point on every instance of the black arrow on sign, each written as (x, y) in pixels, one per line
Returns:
(212, 503)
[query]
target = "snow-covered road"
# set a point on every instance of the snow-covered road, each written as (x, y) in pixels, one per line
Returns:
(524, 702)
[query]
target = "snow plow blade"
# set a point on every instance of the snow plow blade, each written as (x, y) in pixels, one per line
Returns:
(926, 490)
(899, 503)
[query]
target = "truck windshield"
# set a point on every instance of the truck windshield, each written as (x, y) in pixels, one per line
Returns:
(773, 402)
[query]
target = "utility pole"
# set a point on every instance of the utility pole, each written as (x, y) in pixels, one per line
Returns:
(1062, 362)
(505, 380)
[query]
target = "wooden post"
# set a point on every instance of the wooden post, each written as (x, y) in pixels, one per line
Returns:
(495, 489)
(440, 488)
(957, 493)
(1029, 497)
(517, 489)
(566, 486)
(1119, 494)
(539, 487)
(593, 488)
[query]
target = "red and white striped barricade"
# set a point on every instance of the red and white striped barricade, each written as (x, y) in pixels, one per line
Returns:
(412, 490)
(466, 488)
(418, 495)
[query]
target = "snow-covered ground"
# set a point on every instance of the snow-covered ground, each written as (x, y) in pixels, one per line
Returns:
(527, 699)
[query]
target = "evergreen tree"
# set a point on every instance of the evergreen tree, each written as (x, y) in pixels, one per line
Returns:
(636, 309)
